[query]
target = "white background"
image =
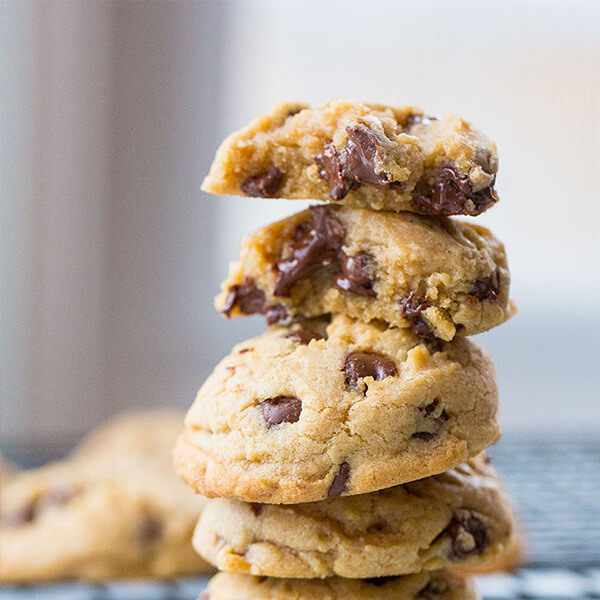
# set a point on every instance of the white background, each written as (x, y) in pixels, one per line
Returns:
(111, 112)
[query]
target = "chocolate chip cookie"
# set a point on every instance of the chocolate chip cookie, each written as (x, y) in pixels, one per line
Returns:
(429, 585)
(304, 413)
(461, 517)
(363, 155)
(436, 276)
(102, 513)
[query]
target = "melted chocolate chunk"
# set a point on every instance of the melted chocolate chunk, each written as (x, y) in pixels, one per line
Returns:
(364, 155)
(265, 185)
(303, 336)
(149, 529)
(250, 300)
(426, 436)
(363, 158)
(281, 409)
(246, 296)
(316, 244)
(333, 170)
(433, 590)
(411, 308)
(486, 288)
(468, 534)
(276, 313)
(338, 485)
(450, 194)
(368, 364)
(256, 508)
(356, 274)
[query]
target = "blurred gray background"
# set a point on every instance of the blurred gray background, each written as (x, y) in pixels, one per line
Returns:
(112, 111)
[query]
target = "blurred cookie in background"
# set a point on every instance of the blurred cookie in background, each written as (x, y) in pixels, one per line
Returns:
(113, 508)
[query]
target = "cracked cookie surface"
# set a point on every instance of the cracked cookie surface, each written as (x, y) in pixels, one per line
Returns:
(430, 585)
(458, 518)
(438, 276)
(302, 414)
(114, 508)
(360, 154)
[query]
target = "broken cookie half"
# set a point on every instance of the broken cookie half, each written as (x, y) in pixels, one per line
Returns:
(436, 276)
(360, 154)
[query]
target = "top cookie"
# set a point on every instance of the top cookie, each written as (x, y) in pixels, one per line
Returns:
(360, 154)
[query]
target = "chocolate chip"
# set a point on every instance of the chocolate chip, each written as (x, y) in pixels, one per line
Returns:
(244, 350)
(362, 163)
(368, 364)
(433, 590)
(468, 534)
(53, 496)
(429, 410)
(19, 516)
(265, 185)
(364, 157)
(356, 274)
(378, 581)
(411, 308)
(486, 288)
(316, 244)
(256, 508)
(338, 485)
(450, 195)
(334, 171)
(250, 300)
(303, 336)
(246, 296)
(436, 418)
(281, 409)
(149, 529)
(276, 313)
(426, 436)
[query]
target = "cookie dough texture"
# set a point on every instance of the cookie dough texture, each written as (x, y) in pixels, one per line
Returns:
(436, 275)
(461, 517)
(438, 585)
(364, 408)
(360, 154)
(113, 509)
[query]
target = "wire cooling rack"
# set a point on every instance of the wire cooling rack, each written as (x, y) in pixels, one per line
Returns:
(555, 485)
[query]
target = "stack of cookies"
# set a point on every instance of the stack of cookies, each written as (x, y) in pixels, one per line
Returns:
(345, 445)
